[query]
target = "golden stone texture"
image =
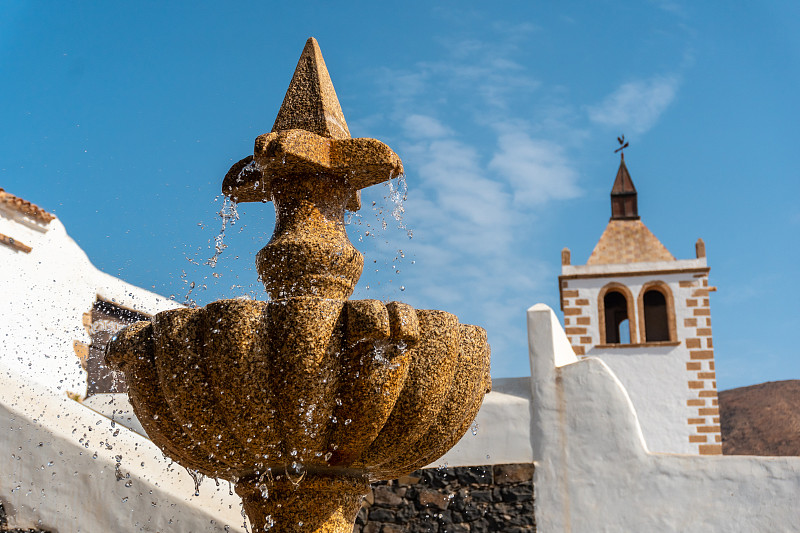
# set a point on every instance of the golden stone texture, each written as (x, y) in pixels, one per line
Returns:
(301, 401)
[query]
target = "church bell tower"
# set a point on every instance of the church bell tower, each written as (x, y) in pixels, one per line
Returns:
(648, 316)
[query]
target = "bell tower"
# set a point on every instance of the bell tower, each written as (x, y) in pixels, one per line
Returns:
(647, 315)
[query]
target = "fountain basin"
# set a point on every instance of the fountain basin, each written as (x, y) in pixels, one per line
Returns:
(304, 385)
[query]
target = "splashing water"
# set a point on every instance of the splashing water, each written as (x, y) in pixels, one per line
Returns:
(228, 214)
(197, 477)
(244, 515)
(372, 231)
(395, 198)
(398, 193)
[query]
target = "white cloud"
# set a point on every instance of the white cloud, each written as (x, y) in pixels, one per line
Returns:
(637, 105)
(671, 7)
(538, 170)
(423, 126)
(454, 199)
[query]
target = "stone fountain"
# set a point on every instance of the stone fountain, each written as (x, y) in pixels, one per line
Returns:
(303, 400)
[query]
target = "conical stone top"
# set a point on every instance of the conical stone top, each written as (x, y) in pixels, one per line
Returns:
(310, 103)
(309, 139)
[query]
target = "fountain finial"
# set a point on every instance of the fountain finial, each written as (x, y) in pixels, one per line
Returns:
(310, 138)
(310, 103)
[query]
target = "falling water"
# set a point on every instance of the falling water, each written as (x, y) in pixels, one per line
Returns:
(398, 193)
(228, 214)
(391, 207)
(197, 477)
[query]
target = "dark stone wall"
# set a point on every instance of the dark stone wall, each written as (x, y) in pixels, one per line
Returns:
(4, 524)
(452, 500)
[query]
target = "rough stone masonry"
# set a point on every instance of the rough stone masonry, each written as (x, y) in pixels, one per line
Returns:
(478, 499)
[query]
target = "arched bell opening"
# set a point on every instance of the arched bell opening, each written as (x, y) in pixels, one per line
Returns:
(617, 315)
(657, 313)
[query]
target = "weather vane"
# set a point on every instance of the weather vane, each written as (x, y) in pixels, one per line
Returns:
(622, 145)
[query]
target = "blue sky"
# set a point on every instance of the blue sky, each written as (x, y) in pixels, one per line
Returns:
(122, 118)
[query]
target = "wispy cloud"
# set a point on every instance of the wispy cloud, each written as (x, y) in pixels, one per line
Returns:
(422, 126)
(636, 106)
(670, 7)
(538, 170)
(477, 173)
(462, 207)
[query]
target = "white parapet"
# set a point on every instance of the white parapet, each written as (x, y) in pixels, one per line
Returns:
(594, 473)
(501, 433)
(67, 468)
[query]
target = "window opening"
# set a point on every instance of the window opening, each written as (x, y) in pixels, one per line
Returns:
(105, 320)
(656, 322)
(616, 312)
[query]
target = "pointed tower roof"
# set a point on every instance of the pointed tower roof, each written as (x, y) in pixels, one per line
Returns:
(624, 200)
(626, 239)
(310, 103)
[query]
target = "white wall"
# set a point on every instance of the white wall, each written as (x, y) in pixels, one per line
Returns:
(657, 383)
(58, 467)
(593, 472)
(59, 470)
(43, 296)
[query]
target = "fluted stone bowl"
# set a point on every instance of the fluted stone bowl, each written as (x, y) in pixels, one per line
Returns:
(242, 388)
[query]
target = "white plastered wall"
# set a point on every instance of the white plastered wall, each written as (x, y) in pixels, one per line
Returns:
(594, 473)
(66, 468)
(58, 458)
(44, 295)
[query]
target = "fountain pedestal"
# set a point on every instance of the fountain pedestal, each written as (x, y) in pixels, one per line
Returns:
(318, 504)
(303, 400)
